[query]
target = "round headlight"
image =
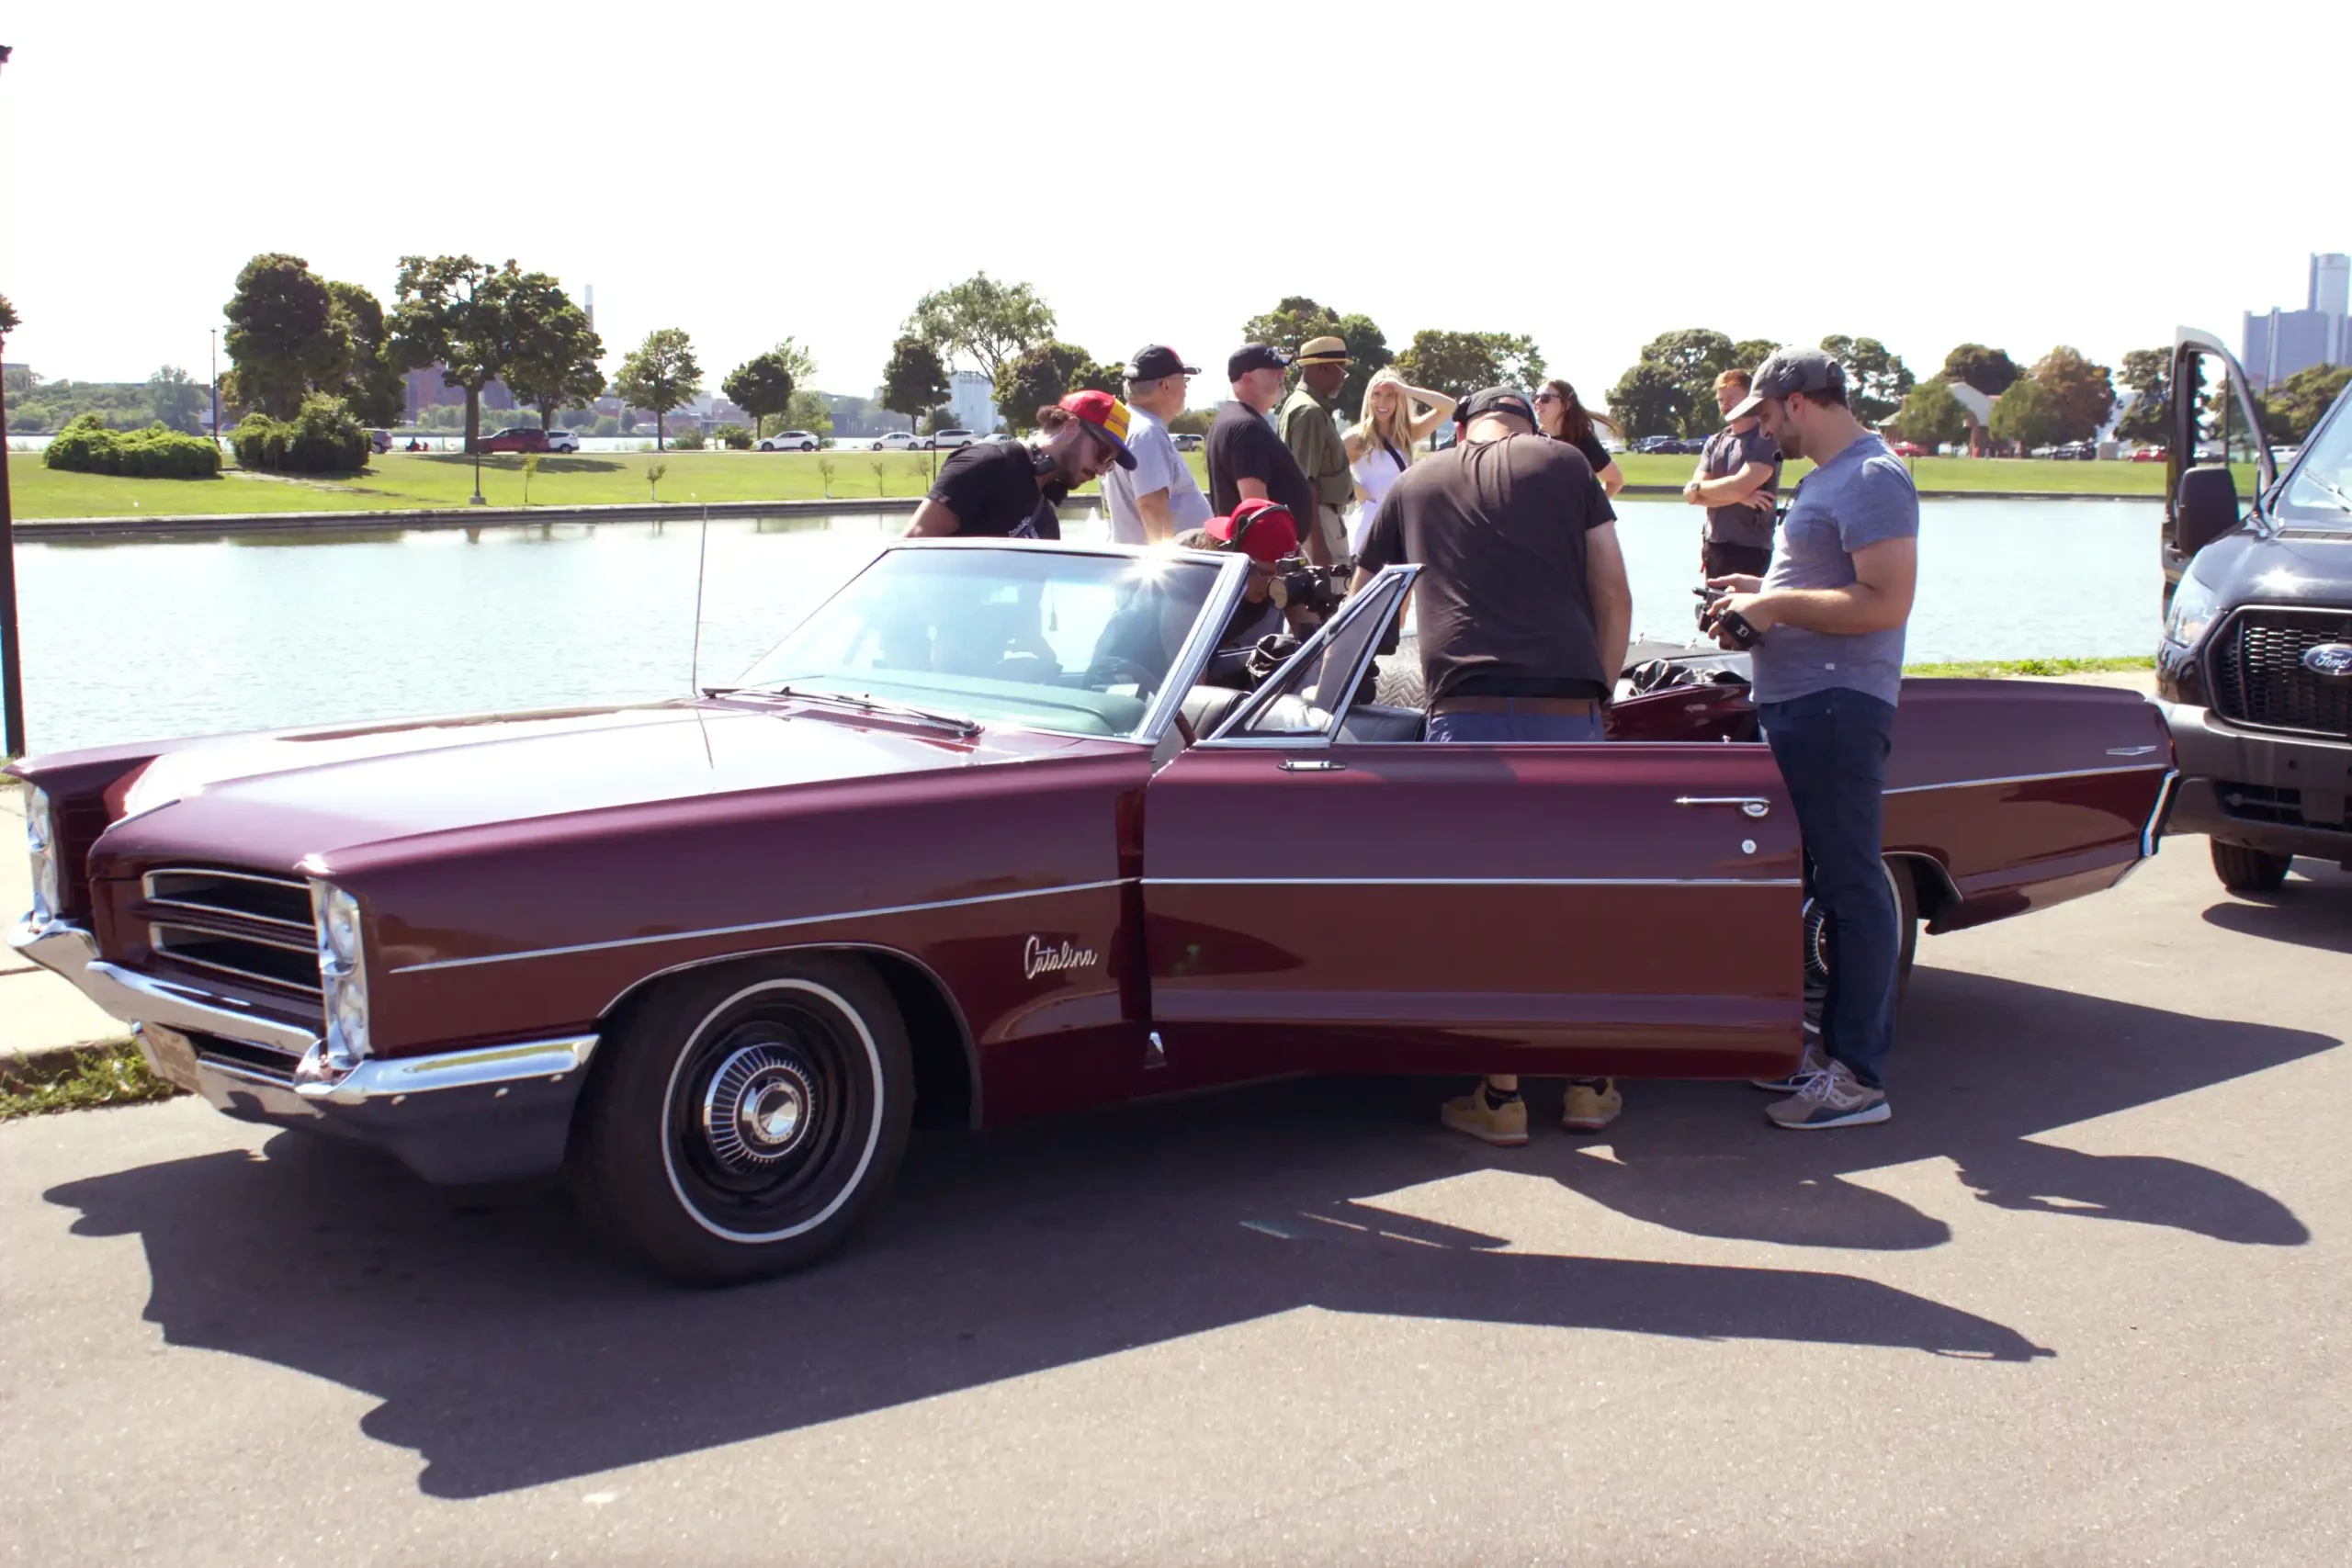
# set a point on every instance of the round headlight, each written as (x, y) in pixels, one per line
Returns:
(338, 917)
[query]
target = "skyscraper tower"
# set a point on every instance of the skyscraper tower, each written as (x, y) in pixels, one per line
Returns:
(591, 305)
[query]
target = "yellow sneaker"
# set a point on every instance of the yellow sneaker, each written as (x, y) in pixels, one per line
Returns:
(1504, 1125)
(1591, 1105)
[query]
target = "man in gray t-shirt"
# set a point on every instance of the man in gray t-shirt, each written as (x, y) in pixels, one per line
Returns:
(1827, 673)
(1738, 483)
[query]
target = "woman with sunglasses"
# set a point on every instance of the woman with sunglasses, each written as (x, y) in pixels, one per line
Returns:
(1565, 419)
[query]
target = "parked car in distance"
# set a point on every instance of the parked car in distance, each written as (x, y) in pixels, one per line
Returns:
(1658, 444)
(714, 956)
(563, 441)
(517, 438)
(379, 440)
(1187, 442)
(791, 441)
(2151, 454)
(1912, 449)
(898, 441)
(942, 439)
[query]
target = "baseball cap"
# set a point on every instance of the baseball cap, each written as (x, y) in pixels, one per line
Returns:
(1265, 530)
(1109, 417)
(1155, 360)
(1253, 356)
(1790, 370)
(1495, 399)
(1323, 351)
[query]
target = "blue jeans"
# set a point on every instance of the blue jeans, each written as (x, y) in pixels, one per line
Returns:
(1832, 748)
(1494, 728)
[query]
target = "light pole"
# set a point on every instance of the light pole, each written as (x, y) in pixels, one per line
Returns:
(213, 333)
(12, 673)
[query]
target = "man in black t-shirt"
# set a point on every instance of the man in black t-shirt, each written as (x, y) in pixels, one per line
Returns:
(1525, 610)
(1248, 460)
(1011, 489)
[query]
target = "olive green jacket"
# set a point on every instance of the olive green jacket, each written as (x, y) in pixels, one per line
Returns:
(1310, 431)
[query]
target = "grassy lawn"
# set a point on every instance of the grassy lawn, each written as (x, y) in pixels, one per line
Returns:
(113, 1074)
(1984, 667)
(400, 481)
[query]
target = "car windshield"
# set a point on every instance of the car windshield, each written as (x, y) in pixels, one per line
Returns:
(2319, 491)
(1023, 634)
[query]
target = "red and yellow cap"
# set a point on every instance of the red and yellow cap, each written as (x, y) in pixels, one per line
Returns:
(1109, 417)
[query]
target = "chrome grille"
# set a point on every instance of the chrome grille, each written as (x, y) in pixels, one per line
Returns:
(2259, 679)
(252, 927)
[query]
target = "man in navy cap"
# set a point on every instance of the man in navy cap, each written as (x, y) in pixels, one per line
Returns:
(1158, 497)
(1831, 610)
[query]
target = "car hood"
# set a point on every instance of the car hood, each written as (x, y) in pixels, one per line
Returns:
(2302, 566)
(292, 802)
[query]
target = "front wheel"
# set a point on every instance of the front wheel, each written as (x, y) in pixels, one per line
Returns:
(745, 1119)
(2244, 870)
(1905, 893)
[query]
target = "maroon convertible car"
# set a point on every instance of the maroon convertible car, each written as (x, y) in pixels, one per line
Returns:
(995, 832)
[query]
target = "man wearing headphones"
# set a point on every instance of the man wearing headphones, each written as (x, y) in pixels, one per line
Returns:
(1011, 489)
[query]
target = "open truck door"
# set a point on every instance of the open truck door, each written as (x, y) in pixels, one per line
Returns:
(2200, 490)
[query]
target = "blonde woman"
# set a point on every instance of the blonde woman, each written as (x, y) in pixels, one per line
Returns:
(1565, 419)
(1380, 445)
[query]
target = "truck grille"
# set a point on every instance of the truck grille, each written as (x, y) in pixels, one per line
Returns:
(2259, 675)
(252, 927)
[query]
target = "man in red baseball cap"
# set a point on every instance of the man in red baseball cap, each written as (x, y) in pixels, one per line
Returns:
(1263, 530)
(1013, 490)
(1266, 532)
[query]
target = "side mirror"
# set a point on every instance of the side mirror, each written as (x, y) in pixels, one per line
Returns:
(2207, 508)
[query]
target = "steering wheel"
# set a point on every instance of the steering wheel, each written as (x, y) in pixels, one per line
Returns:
(1112, 666)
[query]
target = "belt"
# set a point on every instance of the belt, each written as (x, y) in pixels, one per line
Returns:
(1444, 705)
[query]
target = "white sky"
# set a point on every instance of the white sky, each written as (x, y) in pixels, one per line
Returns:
(2018, 174)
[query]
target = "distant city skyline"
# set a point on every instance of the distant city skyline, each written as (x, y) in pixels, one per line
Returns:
(2276, 343)
(1600, 203)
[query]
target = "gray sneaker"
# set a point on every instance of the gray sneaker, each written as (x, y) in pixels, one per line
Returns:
(1833, 1098)
(1810, 1066)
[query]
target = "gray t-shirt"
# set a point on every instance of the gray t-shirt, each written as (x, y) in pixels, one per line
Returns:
(1729, 451)
(1158, 466)
(1857, 499)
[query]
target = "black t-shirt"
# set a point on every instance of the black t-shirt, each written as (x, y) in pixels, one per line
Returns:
(1497, 528)
(992, 487)
(1598, 456)
(1242, 446)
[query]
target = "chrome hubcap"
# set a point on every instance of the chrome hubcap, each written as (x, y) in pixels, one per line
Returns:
(758, 1107)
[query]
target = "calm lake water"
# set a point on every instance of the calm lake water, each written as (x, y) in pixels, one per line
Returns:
(127, 640)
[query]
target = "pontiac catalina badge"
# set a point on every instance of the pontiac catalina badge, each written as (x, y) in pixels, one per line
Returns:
(2330, 660)
(1037, 959)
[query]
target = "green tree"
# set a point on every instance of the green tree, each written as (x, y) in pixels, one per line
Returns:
(808, 411)
(178, 400)
(2292, 408)
(2083, 391)
(367, 380)
(2147, 376)
(761, 385)
(1038, 376)
(1932, 416)
(1649, 400)
(1990, 370)
(452, 311)
(1368, 351)
(660, 374)
(1192, 421)
(914, 383)
(1461, 362)
(1102, 376)
(1692, 358)
(1291, 322)
(2029, 414)
(282, 340)
(981, 319)
(1876, 380)
(1749, 353)
(552, 351)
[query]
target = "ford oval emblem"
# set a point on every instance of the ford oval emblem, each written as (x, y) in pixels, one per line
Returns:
(2330, 660)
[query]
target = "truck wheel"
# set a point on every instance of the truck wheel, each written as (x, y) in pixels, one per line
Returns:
(2244, 870)
(745, 1119)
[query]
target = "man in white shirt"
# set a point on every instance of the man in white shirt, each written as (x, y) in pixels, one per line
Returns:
(1157, 499)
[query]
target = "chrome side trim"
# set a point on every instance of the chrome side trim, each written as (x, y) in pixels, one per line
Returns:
(215, 909)
(154, 928)
(756, 926)
(399, 1076)
(1472, 882)
(2022, 778)
(139, 999)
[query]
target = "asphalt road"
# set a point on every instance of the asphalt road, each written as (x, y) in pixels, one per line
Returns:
(2084, 1300)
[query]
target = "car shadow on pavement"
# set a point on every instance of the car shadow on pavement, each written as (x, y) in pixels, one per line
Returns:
(2313, 909)
(508, 1350)
(1981, 1065)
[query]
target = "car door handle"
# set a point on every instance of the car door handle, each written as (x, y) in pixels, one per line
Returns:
(1311, 765)
(1746, 805)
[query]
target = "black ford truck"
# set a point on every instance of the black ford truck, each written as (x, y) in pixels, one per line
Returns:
(2254, 668)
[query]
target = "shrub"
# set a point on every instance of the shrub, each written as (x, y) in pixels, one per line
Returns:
(322, 438)
(606, 426)
(734, 437)
(86, 446)
(687, 438)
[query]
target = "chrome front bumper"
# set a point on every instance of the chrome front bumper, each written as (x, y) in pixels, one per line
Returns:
(490, 1113)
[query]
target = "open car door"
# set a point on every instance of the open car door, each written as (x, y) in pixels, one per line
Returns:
(2210, 393)
(1326, 891)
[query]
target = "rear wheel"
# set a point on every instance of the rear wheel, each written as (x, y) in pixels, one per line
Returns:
(745, 1119)
(2244, 870)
